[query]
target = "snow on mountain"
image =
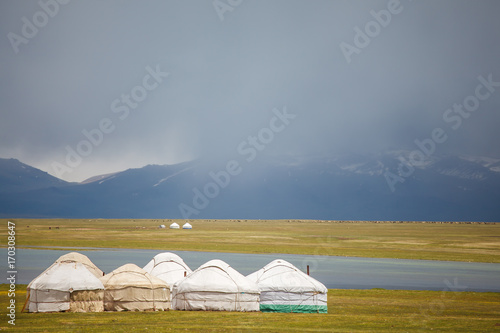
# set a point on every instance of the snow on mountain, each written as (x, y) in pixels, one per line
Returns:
(493, 164)
(99, 178)
(173, 175)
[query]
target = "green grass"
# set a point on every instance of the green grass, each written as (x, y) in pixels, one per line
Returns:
(478, 242)
(374, 310)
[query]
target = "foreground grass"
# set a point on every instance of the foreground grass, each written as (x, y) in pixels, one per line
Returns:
(479, 242)
(374, 310)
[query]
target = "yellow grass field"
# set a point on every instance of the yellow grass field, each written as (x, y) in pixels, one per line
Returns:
(374, 310)
(477, 242)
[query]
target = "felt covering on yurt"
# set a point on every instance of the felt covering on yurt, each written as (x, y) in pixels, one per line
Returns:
(284, 288)
(129, 287)
(215, 286)
(65, 286)
(83, 259)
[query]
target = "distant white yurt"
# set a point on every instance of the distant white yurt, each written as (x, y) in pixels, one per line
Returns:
(215, 286)
(131, 288)
(83, 259)
(174, 226)
(284, 288)
(65, 286)
(162, 226)
(187, 226)
(169, 267)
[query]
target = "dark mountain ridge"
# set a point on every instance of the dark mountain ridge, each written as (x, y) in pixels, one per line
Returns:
(341, 187)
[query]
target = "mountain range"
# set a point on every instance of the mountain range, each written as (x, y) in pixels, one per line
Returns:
(337, 187)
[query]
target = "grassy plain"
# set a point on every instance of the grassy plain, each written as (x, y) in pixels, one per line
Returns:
(374, 310)
(478, 242)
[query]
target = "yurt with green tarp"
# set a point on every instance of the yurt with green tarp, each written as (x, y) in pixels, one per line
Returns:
(284, 288)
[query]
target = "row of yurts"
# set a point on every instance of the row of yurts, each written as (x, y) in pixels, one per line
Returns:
(74, 283)
(174, 225)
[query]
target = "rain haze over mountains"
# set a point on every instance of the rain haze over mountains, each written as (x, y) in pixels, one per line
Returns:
(307, 109)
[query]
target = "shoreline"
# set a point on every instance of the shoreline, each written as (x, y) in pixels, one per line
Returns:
(416, 240)
(92, 249)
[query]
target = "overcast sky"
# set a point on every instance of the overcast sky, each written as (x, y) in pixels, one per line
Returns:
(228, 69)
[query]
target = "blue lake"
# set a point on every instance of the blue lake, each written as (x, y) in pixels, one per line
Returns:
(334, 272)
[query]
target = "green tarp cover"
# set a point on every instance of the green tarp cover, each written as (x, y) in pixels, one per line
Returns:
(293, 308)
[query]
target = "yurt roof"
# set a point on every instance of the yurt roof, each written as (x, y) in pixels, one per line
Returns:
(81, 258)
(280, 275)
(216, 276)
(66, 276)
(166, 257)
(130, 275)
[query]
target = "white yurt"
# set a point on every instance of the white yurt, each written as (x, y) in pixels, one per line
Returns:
(215, 286)
(131, 288)
(174, 226)
(187, 225)
(83, 259)
(65, 286)
(284, 288)
(169, 267)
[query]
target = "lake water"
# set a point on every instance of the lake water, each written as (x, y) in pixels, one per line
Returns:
(334, 272)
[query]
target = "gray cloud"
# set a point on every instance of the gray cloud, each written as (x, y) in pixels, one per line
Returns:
(226, 77)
